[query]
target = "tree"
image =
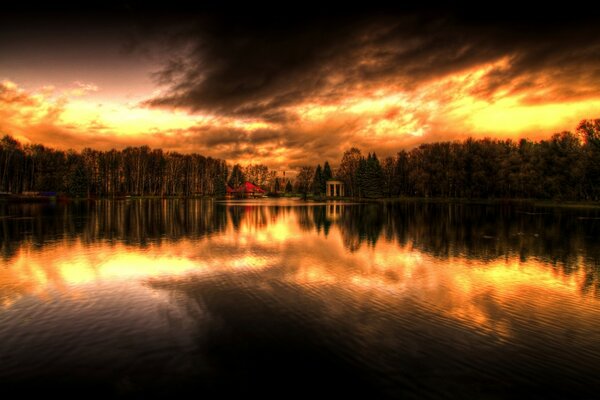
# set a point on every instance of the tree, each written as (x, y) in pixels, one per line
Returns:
(402, 185)
(277, 186)
(565, 166)
(220, 185)
(373, 179)
(134, 170)
(327, 175)
(258, 174)
(9, 149)
(304, 180)
(369, 177)
(348, 168)
(237, 177)
(318, 183)
(78, 181)
(589, 130)
(271, 181)
(360, 177)
(389, 169)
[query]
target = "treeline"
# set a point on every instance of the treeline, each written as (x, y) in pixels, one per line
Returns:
(260, 175)
(132, 171)
(566, 167)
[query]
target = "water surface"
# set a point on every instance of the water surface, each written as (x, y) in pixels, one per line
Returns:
(280, 298)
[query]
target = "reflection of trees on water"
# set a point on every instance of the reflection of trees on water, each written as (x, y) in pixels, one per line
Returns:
(361, 224)
(564, 238)
(133, 221)
(322, 222)
(254, 216)
(306, 219)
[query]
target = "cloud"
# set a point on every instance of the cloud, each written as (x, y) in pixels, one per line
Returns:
(260, 67)
(288, 90)
(36, 117)
(81, 89)
(384, 123)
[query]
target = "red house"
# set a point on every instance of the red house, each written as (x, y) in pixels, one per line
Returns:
(247, 189)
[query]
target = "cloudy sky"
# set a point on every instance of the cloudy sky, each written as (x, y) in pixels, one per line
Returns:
(294, 88)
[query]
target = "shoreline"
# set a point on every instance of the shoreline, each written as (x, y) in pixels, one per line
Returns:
(384, 200)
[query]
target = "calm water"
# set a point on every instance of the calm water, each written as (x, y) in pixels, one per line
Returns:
(285, 299)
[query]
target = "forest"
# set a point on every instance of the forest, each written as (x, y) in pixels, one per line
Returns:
(91, 173)
(564, 167)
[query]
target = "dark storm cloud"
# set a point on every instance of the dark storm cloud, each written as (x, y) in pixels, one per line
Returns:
(562, 66)
(257, 66)
(239, 65)
(209, 136)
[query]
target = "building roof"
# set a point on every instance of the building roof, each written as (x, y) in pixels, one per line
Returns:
(248, 187)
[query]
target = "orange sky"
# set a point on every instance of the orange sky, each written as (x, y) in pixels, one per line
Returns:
(163, 98)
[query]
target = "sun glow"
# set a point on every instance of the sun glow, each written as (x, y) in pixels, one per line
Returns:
(125, 120)
(387, 116)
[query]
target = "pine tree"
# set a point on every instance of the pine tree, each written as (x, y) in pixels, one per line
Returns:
(318, 183)
(327, 175)
(288, 187)
(374, 178)
(360, 177)
(237, 177)
(369, 177)
(277, 186)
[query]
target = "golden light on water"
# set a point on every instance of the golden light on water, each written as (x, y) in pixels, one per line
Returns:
(391, 298)
(464, 290)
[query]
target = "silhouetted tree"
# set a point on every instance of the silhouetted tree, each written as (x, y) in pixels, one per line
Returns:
(565, 166)
(258, 174)
(373, 179)
(237, 176)
(277, 186)
(318, 183)
(348, 169)
(327, 175)
(134, 170)
(304, 180)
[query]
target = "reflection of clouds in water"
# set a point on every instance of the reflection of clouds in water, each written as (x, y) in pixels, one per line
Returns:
(198, 295)
(449, 323)
(287, 244)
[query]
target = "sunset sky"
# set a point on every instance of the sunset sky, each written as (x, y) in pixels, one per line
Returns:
(289, 89)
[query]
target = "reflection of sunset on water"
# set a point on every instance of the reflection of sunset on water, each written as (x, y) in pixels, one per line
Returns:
(471, 292)
(189, 288)
(385, 203)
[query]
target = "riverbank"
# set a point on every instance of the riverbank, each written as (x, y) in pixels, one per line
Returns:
(529, 202)
(64, 198)
(449, 200)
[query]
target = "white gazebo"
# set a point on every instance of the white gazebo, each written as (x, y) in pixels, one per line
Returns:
(334, 188)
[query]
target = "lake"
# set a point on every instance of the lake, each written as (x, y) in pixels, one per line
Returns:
(281, 298)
